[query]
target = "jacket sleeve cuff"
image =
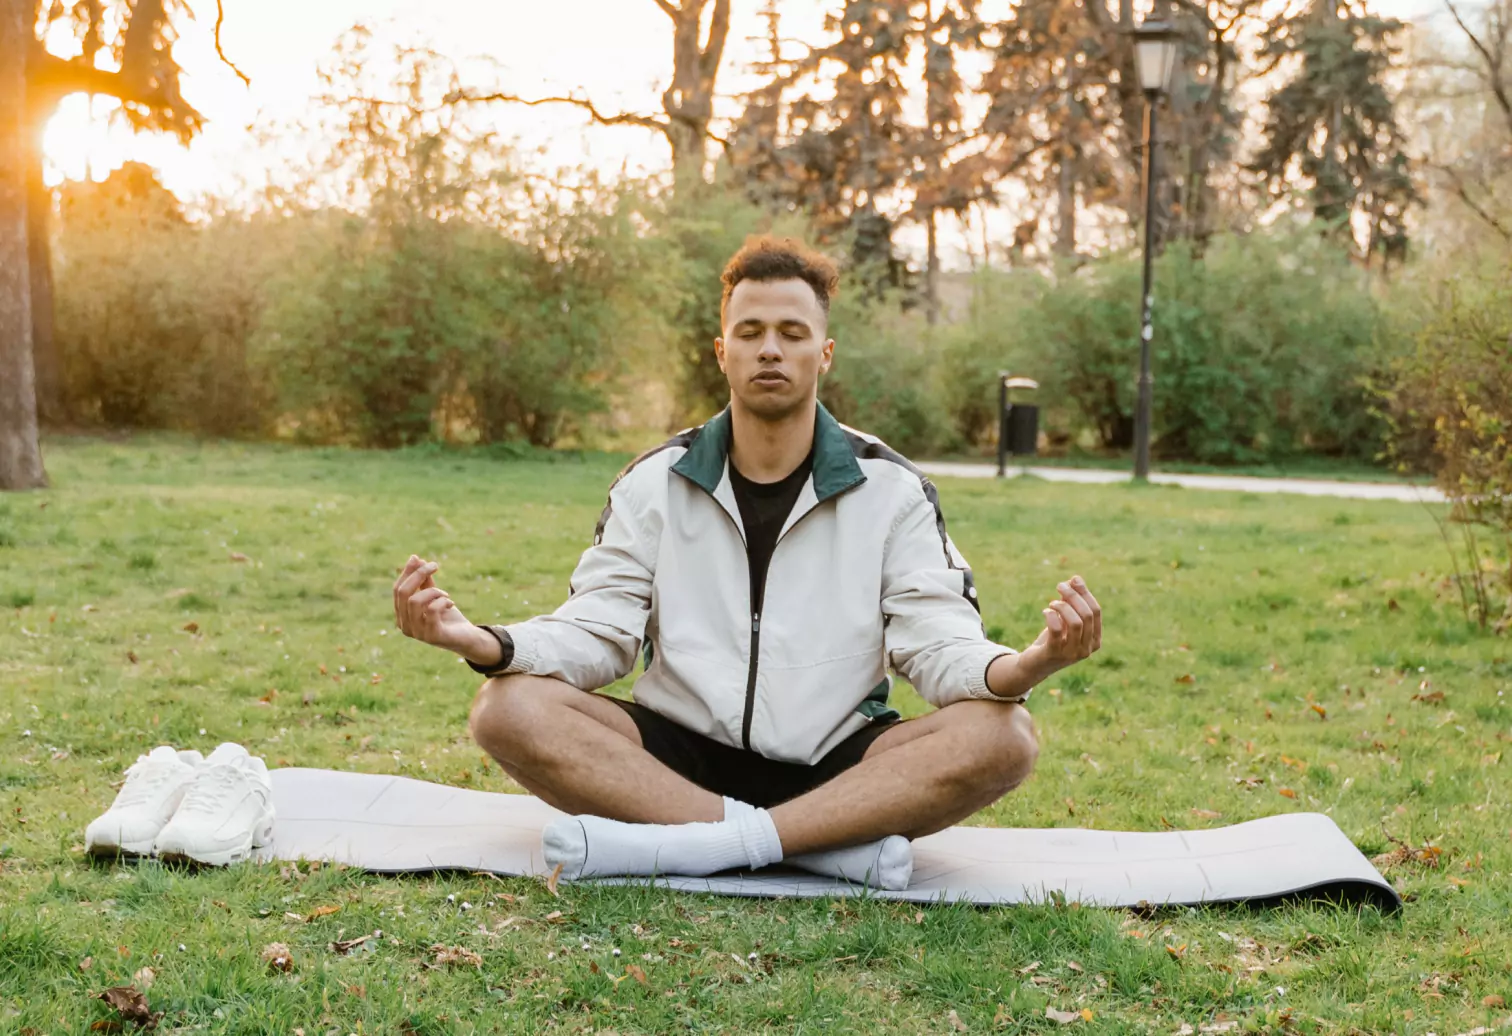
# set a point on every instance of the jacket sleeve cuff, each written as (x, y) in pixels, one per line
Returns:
(510, 660)
(976, 677)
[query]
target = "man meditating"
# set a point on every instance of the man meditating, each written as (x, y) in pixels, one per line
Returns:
(770, 566)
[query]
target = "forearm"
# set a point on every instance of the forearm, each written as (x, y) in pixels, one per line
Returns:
(1012, 676)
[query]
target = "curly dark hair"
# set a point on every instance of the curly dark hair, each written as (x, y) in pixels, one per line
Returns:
(767, 258)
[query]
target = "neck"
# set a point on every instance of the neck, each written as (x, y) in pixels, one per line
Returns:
(770, 449)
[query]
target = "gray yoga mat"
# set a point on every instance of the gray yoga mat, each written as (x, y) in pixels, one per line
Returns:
(393, 824)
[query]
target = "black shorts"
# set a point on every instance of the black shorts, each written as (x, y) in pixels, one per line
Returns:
(737, 773)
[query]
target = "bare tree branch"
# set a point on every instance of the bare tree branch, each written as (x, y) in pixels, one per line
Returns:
(620, 119)
(1464, 195)
(1493, 64)
(671, 11)
(713, 50)
(220, 16)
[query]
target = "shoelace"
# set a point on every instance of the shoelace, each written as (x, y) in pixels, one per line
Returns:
(141, 783)
(210, 790)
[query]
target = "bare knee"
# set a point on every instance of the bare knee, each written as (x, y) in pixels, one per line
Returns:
(1001, 745)
(503, 713)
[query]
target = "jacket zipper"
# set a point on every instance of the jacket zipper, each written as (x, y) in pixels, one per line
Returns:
(750, 702)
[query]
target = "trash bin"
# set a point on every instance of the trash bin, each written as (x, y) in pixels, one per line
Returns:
(1018, 419)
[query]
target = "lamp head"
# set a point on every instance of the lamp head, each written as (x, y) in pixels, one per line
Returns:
(1156, 46)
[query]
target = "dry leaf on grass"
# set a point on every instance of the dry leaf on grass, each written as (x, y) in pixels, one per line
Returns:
(634, 971)
(237, 555)
(321, 911)
(345, 946)
(551, 882)
(1287, 792)
(144, 978)
(1065, 1017)
(131, 1005)
(1206, 814)
(956, 1023)
(455, 956)
(279, 957)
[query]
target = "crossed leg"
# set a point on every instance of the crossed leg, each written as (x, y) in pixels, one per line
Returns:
(582, 754)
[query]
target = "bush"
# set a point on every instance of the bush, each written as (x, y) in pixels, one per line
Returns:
(1448, 399)
(884, 379)
(1260, 352)
(154, 313)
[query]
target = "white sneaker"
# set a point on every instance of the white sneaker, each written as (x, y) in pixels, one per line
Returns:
(227, 811)
(155, 785)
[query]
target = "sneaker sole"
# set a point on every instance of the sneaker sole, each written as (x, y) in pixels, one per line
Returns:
(261, 836)
(124, 849)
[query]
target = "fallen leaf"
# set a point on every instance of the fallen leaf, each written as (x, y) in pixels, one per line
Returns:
(191, 626)
(144, 978)
(131, 656)
(1228, 1026)
(1392, 606)
(551, 882)
(1002, 1017)
(237, 555)
(1064, 1017)
(278, 956)
(1206, 814)
(1028, 968)
(1430, 698)
(956, 1023)
(1086, 1014)
(1074, 966)
(1493, 1001)
(131, 1005)
(452, 956)
(1320, 710)
(1177, 952)
(344, 946)
(1287, 792)
(555, 915)
(1185, 678)
(321, 911)
(86, 963)
(634, 971)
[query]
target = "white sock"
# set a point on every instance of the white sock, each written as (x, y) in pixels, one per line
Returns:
(588, 846)
(886, 863)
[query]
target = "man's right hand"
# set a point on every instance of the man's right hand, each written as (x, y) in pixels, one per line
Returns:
(425, 612)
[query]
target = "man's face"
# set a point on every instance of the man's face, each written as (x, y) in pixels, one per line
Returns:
(774, 346)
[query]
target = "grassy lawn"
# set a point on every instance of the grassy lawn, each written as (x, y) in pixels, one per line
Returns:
(1263, 655)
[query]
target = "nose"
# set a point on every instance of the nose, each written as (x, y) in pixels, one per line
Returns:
(771, 347)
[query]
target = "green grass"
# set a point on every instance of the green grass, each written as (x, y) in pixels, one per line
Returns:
(127, 624)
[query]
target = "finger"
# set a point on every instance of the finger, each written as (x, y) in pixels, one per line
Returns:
(1081, 587)
(416, 579)
(1073, 622)
(421, 600)
(437, 606)
(409, 566)
(1071, 596)
(1054, 625)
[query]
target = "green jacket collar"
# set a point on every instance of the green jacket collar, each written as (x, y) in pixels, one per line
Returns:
(835, 466)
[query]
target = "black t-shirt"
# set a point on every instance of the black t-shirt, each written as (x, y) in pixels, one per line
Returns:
(764, 507)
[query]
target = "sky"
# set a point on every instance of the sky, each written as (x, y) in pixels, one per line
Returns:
(616, 51)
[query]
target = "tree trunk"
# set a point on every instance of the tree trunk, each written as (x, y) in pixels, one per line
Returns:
(932, 273)
(1065, 208)
(20, 453)
(689, 100)
(47, 369)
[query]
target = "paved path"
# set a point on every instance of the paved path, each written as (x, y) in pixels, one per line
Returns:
(1233, 483)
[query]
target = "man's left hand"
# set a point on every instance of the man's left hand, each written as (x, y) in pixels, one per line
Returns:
(1073, 630)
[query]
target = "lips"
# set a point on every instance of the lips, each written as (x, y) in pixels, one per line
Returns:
(770, 378)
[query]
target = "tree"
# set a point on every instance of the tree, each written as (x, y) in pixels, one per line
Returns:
(20, 454)
(1333, 125)
(140, 34)
(687, 102)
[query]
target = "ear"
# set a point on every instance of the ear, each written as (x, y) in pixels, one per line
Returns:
(829, 356)
(719, 352)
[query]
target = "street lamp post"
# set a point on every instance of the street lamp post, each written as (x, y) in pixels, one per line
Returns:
(1156, 45)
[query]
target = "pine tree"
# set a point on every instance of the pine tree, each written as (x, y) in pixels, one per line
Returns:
(1332, 127)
